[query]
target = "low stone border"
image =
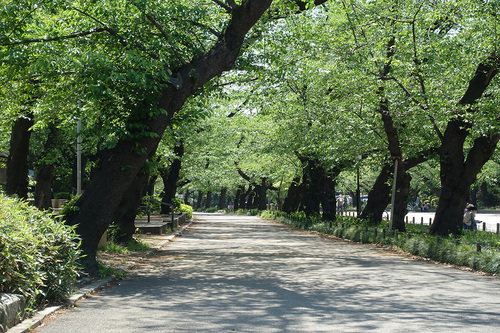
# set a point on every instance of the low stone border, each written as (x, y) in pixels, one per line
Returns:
(12, 308)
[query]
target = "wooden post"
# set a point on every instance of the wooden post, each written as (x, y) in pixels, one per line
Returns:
(422, 221)
(408, 235)
(498, 228)
(406, 218)
(413, 220)
(478, 247)
(396, 235)
(375, 233)
(383, 233)
(484, 226)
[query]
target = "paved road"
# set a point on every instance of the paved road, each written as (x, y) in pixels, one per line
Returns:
(242, 274)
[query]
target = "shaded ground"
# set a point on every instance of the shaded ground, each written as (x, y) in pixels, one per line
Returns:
(124, 260)
(243, 274)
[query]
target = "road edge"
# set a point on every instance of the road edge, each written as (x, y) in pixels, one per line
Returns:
(34, 321)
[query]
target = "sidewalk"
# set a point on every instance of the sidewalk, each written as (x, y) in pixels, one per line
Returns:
(120, 261)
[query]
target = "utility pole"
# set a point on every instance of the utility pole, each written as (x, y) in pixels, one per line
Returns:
(79, 158)
(393, 197)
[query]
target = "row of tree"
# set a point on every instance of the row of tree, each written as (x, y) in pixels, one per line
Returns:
(317, 89)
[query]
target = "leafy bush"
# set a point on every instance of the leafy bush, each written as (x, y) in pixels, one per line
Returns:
(69, 208)
(177, 203)
(38, 254)
(212, 210)
(251, 212)
(183, 208)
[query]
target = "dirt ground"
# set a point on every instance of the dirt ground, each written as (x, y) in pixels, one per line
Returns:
(125, 260)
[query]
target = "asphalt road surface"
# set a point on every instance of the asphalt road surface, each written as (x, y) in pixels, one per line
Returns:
(243, 274)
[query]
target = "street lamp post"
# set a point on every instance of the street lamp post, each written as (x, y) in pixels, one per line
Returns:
(79, 159)
(393, 197)
(358, 193)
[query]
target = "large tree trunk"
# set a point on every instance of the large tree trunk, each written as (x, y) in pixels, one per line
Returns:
(249, 196)
(457, 175)
(17, 162)
(378, 197)
(222, 199)
(294, 196)
(237, 197)
(199, 199)
(44, 175)
(401, 200)
(208, 201)
(328, 200)
(457, 172)
(43, 192)
(170, 177)
(261, 195)
(126, 213)
(104, 193)
(243, 197)
(314, 174)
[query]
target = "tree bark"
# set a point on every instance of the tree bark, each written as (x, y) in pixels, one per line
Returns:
(17, 162)
(222, 199)
(208, 201)
(170, 177)
(104, 193)
(294, 196)
(249, 197)
(199, 200)
(458, 172)
(457, 175)
(237, 197)
(43, 192)
(328, 200)
(312, 179)
(378, 197)
(126, 213)
(44, 175)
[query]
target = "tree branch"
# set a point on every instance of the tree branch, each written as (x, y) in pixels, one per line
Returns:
(105, 26)
(228, 8)
(162, 31)
(58, 38)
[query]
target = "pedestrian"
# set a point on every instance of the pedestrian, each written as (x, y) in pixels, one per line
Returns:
(340, 204)
(470, 221)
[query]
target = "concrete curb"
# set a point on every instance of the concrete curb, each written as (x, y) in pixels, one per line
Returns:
(31, 323)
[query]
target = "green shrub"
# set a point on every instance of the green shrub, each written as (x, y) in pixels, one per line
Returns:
(460, 251)
(69, 208)
(177, 203)
(38, 254)
(212, 210)
(183, 208)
